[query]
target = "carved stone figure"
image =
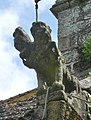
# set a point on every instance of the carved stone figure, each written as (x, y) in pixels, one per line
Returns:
(43, 56)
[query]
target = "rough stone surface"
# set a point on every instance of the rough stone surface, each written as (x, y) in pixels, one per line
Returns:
(65, 100)
(86, 84)
(74, 27)
(77, 101)
(63, 112)
(56, 110)
(40, 55)
(57, 96)
(27, 107)
(43, 56)
(74, 103)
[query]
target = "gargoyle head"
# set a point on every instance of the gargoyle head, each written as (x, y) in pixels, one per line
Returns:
(41, 32)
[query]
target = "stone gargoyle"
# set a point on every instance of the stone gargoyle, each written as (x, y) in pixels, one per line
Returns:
(43, 56)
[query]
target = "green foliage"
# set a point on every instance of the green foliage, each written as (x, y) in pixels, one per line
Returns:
(86, 50)
(89, 73)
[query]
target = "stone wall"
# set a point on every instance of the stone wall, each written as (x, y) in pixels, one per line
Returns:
(74, 27)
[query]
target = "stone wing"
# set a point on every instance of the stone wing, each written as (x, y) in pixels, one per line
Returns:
(21, 39)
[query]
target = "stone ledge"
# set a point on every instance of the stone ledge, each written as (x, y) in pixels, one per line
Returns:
(59, 7)
(62, 5)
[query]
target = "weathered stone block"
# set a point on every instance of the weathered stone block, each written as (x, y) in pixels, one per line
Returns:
(56, 110)
(78, 102)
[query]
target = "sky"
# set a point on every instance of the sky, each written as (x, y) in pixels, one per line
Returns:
(15, 78)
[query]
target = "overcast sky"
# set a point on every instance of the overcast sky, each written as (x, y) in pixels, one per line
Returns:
(15, 78)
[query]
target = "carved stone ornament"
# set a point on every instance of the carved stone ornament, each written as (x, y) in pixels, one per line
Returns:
(44, 56)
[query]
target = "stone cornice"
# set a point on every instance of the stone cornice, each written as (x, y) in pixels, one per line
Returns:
(62, 5)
